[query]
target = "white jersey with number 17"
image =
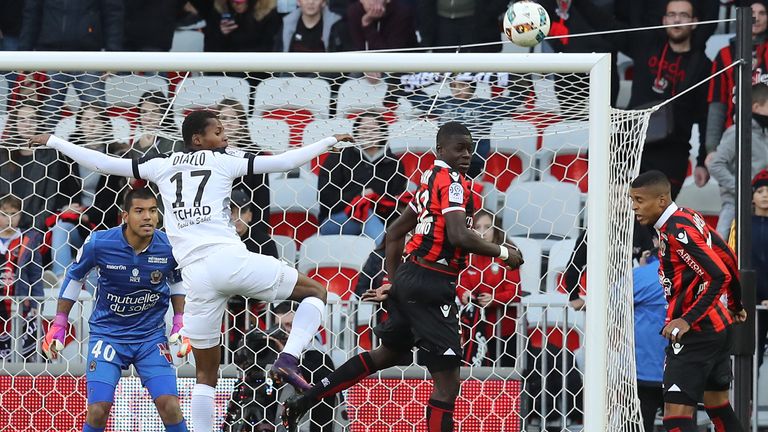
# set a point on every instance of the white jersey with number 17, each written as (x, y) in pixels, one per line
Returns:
(196, 188)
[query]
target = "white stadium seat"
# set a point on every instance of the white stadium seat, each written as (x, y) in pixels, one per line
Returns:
(312, 94)
(268, 134)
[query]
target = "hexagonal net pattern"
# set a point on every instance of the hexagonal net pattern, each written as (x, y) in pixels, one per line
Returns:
(523, 346)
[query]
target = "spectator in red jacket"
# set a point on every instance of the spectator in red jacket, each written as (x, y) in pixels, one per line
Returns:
(488, 290)
(377, 24)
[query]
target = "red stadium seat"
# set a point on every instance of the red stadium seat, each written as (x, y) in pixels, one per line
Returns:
(563, 153)
(335, 260)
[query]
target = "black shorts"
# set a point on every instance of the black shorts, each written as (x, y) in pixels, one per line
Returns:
(422, 312)
(702, 363)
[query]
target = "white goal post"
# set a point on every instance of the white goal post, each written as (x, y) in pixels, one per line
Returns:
(601, 202)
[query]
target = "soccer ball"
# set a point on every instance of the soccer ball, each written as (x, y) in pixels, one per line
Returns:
(526, 23)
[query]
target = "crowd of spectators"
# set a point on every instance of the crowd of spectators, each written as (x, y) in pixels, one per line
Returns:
(48, 204)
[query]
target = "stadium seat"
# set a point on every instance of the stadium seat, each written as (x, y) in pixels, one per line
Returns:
(296, 101)
(559, 256)
(335, 260)
(563, 153)
(269, 135)
(545, 315)
(322, 128)
(312, 94)
(4, 94)
(414, 142)
(530, 271)
(293, 206)
(546, 96)
(513, 147)
(208, 91)
(360, 95)
(286, 249)
(544, 211)
(188, 41)
(3, 120)
(126, 90)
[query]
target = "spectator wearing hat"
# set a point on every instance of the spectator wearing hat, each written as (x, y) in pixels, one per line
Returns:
(722, 164)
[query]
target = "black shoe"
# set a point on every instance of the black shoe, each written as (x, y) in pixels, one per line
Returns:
(293, 410)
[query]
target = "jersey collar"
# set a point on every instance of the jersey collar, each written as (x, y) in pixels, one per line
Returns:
(128, 245)
(442, 164)
(665, 216)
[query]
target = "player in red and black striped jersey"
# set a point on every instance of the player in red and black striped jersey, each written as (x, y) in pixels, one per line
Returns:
(421, 300)
(697, 269)
(721, 102)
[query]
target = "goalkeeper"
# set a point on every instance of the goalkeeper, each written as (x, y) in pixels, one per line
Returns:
(137, 277)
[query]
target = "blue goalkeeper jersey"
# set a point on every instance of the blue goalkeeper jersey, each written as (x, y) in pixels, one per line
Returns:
(133, 289)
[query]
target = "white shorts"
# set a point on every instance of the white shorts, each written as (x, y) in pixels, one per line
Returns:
(231, 270)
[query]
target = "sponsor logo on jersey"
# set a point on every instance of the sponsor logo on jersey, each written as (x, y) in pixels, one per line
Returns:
(116, 267)
(690, 262)
(682, 236)
(667, 284)
(132, 304)
(135, 276)
(455, 193)
(454, 176)
(445, 309)
(156, 277)
(92, 366)
(676, 348)
(157, 260)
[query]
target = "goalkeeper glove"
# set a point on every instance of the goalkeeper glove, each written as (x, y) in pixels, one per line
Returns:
(177, 338)
(54, 339)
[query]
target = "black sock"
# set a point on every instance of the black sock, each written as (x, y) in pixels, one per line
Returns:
(439, 416)
(347, 375)
(724, 418)
(680, 424)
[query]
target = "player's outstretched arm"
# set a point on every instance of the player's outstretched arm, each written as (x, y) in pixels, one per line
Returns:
(91, 159)
(293, 159)
(461, 236)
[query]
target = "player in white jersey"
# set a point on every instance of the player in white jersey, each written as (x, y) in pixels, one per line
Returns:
(195, 186)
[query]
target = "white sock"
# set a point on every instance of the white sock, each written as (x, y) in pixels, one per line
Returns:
(203, 407)
(309, 316)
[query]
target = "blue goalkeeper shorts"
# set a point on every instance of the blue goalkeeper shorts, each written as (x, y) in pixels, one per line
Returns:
(107, 358)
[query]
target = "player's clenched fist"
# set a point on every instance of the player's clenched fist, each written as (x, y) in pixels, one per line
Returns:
(54, 339)
(39, 140)
(515, 259)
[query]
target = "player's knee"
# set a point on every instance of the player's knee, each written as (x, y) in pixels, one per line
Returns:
(716, 398)
(307, 287)
(169, 409)
(98, 413)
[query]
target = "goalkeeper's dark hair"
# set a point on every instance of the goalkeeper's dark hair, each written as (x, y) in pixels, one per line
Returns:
(195, 123)
(450, 129)
(652, 178)
(134, 194)
(760, 93)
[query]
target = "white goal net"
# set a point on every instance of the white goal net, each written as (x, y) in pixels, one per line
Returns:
(551, 159)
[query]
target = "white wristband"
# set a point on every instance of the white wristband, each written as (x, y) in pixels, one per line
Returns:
(503, 253)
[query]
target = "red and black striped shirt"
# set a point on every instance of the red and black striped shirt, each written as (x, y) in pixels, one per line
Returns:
(721, 87)
(696, 269)
(442, 190)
